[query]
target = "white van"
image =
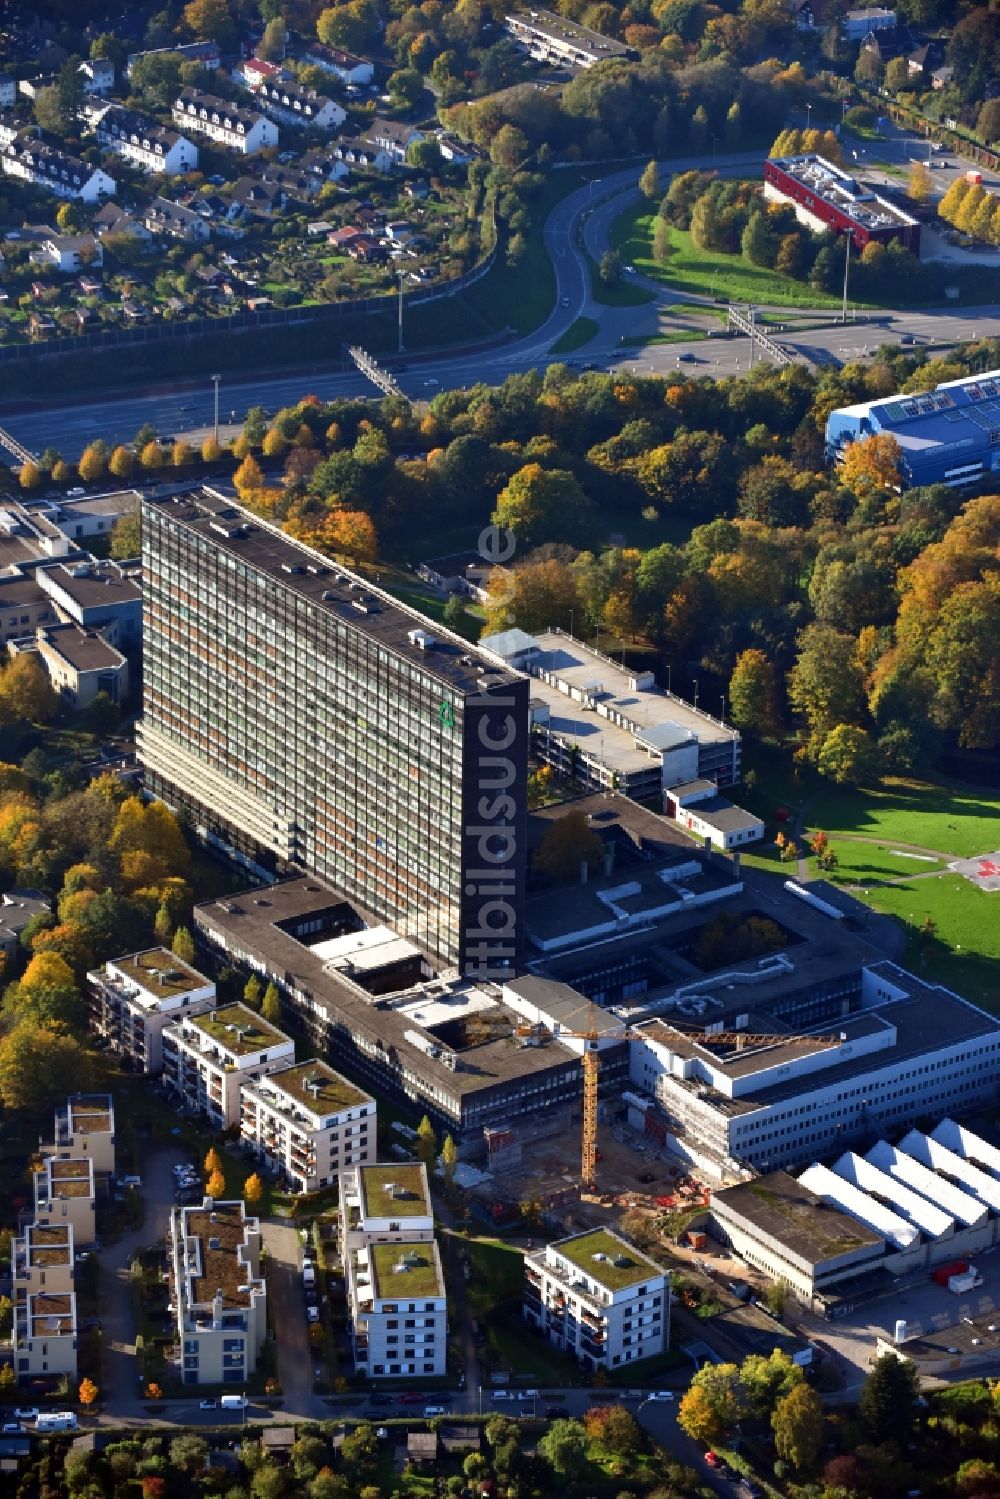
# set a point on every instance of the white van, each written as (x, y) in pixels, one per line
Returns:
(234, 1402)
(56, 1421)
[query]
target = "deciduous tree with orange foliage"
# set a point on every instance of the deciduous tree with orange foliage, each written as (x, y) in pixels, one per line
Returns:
(871, 464)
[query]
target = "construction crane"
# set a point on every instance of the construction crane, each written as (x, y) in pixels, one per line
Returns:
(590, 1036)
(742, 1039)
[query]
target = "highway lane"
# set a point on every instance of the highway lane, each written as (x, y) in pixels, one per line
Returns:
(185, 409)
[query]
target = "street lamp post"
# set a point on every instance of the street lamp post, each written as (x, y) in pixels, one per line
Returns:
(402, 277)
(215, 382)
(571, 613)
(809, 110)
(847, 272)
(723, 718)
(696, 692)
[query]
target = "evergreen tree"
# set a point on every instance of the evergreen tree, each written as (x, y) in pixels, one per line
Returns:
(888, 1403)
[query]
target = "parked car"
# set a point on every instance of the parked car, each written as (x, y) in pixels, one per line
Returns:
(12, 1428)
(129, 1181)
(379, 1398)
(713, 1459)
(660, 1395)
(26, 1412)
(411, 1399)
(751, 1489)
(312, 1313)
(208, 1405)
(434, 1410)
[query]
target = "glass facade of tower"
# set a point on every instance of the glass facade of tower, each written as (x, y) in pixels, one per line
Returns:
(288, 708)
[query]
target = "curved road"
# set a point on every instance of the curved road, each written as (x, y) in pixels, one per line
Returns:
(589, 212)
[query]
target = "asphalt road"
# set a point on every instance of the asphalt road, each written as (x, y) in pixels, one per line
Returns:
(186, 409)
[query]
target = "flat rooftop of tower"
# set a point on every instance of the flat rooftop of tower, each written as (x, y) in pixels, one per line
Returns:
(347, 596)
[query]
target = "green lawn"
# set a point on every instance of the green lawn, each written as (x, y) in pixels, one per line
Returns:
(680, 336)
(621, 293)
(577, 334)
(866, 863)
(954, 820)
(496, 1274)
(965, 951)
(707, 272)
(511, 1344)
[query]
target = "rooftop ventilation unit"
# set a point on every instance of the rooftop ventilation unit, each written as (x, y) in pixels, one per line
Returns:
(421, 639)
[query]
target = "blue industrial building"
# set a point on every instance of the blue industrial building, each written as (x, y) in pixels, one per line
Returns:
(950, 435)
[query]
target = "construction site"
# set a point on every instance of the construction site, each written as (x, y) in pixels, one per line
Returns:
(539, 1164)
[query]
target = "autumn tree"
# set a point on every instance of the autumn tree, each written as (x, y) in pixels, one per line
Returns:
(126, 538)
(271, 47)
(35, 1064)
(249, 475)
(921, 183)
(183, 945)
(649, 182)
(544, 504)
(753, 694)
(215, 1185)
(212, 1161)
(569, 843)
(47, 992)
(426, 1145)
(698, 1418)
(121, 464)
(211, 449)
(93, 462)
(825, 683)
(713, 1404)
(533, 597)
(797, 1423)
(152, 456)
(270, 1005)
(847, 755)
(766, 1380)
(871, 464)
(449, 1160)
(252, 991)
(350, 532)
(26, 695)
(253, 1190)
(211, 20)
(29, 475)
(87, 1392)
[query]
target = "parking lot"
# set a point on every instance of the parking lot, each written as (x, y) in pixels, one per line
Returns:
(936, 1320)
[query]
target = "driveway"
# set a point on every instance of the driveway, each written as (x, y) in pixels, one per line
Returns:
(288, 1318)
(120, 1381)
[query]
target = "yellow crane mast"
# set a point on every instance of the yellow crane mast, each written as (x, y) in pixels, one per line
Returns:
(592, 1069)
